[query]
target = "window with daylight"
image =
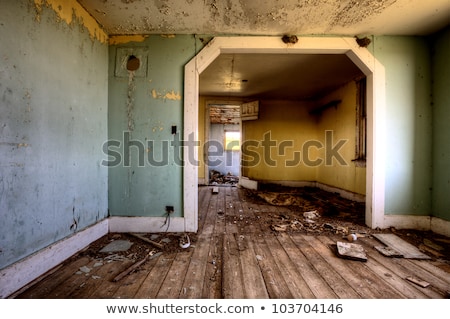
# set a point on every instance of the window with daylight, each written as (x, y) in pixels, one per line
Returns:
(232, 140)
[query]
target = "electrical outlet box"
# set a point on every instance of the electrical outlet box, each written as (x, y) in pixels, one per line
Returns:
(169, 209)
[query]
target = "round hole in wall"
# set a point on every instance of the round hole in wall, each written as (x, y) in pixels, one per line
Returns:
(133, 63)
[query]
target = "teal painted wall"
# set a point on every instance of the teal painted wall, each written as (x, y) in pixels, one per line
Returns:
(143, 107)
(407, 62)
(53, 113)
(441, 125)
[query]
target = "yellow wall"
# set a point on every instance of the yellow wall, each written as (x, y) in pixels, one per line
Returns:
(342, 121)
(290, 125)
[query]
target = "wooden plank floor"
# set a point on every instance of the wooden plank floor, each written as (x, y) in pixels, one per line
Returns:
(236, 255)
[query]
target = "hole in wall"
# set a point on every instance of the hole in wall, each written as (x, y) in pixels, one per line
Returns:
(133, 63)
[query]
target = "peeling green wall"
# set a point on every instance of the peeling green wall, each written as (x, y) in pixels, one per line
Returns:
(441, 127)
(408, 123)
(143, 106)
(53, 112)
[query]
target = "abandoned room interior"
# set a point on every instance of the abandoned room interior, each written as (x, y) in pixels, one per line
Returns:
(225, 149)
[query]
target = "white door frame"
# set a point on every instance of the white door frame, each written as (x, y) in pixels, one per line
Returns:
(374, 71)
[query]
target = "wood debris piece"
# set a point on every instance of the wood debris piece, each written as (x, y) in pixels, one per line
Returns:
(279, 228)
(141, 237)
(417, 281)
(132, 267)
(406, 249)
(388, 251)
(351, 251)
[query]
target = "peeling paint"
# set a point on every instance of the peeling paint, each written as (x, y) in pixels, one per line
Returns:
(172, 95)
(67, 10)
(121, 39)
(130, 100)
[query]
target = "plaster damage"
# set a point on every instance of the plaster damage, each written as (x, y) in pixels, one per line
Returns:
(123, 39)
(70, 10)
(171, 95)
(221, 17)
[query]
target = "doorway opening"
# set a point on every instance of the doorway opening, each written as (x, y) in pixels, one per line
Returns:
(223, 143)
(370, 67)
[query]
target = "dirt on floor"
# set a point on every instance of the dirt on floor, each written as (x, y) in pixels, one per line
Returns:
(315, 211)
(281, 209)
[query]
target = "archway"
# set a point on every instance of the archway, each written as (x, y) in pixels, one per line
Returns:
(360, 56)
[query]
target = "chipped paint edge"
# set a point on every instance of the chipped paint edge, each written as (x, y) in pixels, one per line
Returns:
(67, 10)
(123, 39)
(20, 274)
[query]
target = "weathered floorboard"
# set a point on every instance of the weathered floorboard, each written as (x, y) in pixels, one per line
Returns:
(236, 255)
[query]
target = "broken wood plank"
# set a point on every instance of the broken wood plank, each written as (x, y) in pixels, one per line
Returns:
(418, 281)
(351, 251)
(135, 266)
(154, 243)
(406, 249)
(388, 251)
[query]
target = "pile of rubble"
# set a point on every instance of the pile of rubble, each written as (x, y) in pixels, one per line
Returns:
(313, 223)
(217, 178)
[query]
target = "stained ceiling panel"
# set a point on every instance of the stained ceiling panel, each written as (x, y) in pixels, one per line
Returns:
(268, 17)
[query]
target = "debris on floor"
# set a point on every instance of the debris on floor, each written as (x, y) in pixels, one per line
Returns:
(351, 251)
(117, 245)
(135, 266)
(418, 281)
(406, 249)
(185, 241)
(281, 199)
(217, 178)
(388, 251)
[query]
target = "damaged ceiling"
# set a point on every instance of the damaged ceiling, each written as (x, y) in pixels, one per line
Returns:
(272, 76)
(270, 17)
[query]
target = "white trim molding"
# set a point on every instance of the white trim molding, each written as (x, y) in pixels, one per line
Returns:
(119, 224)
(423, 223)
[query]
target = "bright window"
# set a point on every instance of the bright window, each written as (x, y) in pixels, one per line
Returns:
(232, 140)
